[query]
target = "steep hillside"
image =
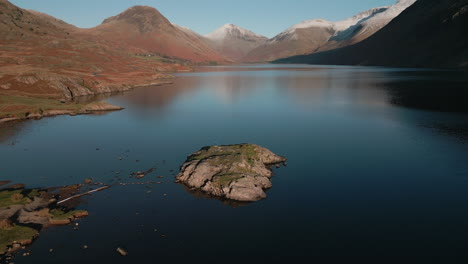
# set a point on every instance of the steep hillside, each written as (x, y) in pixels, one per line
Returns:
(42, 56)
(144, 28)
(303, 38)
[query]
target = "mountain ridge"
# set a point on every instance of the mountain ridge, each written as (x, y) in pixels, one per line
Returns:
(434, 40)
(146, 29)
(316, 35)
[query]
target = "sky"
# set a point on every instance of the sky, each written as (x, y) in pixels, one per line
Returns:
(266, 17)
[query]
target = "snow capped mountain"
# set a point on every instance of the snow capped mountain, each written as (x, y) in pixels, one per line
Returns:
(359, 18)
(290, 33)
(320, 35)
(381, 19)
(235, 42)
(310, 23)
(337, 27)
(429, 33)
(233, 31)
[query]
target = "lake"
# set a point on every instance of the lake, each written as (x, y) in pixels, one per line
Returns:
(377, 165)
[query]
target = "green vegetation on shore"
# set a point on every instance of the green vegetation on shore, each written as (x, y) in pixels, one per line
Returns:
(22, 107)
(8, 198)
(17, 233)
(25, 211)
(226, 179)
(58, 214)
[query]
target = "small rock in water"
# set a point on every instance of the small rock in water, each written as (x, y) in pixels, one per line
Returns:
(88, 180)
(122, 251)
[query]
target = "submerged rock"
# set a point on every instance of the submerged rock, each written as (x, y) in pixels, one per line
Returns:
(237, 172)
(122, 251)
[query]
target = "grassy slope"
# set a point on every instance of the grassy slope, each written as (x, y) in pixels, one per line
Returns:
(20, 106)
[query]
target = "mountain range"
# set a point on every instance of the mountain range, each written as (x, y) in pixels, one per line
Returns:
(320, 35)
(430, 33)
(145, 29)
(43, 56)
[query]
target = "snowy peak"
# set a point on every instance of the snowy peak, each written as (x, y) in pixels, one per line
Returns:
(312, 23)
(389, 14)
(359, 18)
(321, 35)
(232, 31)
(290, 33)
(375, 17)
(235, 42)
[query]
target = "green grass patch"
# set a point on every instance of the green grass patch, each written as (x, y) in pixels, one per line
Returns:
(226, 179)
(8, 198)
(16, 233)
(35, 193)
(231, 153)
(209, 155)
(58, 214)
(22, 106)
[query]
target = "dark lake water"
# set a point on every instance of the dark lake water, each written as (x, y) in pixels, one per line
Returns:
(377, 165)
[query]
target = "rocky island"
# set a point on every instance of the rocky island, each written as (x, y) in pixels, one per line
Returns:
(237, 172)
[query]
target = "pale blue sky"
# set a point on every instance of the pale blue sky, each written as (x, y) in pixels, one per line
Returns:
(267, 17)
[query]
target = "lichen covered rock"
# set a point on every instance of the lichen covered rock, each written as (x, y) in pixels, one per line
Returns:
(237, 172)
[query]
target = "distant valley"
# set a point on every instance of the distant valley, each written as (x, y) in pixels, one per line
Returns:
(44, 57)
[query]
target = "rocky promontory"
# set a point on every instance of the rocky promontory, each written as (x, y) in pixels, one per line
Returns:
(25, 212)
(238, 172)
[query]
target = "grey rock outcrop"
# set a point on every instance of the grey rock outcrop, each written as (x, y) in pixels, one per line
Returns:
(237, 172)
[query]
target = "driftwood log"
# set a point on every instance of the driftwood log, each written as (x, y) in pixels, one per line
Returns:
(83, 194)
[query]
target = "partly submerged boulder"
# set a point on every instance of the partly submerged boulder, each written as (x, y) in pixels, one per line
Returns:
(237, 172)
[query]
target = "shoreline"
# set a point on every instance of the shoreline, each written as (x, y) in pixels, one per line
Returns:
(82, 109)
(95, 107)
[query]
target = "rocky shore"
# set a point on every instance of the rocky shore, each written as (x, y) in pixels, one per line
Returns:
(236, 172)
(70, 109)
(25, 212)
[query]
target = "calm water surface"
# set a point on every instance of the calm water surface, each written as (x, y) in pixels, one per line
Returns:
(378, 165)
